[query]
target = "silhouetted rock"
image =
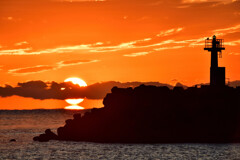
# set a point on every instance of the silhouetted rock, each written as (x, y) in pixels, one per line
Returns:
(77, 116)
(178, 84)
(13, 140)
(150, 114)
(49, 135)
(36, 138)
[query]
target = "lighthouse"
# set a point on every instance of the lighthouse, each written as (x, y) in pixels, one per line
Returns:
(217, 74)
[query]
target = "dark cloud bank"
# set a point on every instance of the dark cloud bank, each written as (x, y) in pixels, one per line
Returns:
(52, 90)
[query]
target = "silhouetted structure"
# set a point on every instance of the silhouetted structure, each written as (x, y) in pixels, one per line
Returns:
(217, 74)
(150, 114)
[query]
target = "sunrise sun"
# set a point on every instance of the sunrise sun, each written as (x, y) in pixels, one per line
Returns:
(75, 101)
(76, 80)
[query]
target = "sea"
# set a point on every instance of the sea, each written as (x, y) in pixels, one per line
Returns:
(23, 125)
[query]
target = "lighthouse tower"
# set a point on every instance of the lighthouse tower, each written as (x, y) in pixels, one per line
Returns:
(217, 74)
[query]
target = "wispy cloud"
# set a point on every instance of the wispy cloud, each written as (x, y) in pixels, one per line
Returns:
(234, 53)
(136, 54)
(194, 1)
(150, 43)
(121, 46)
(74, 62)
(64, 49)
(166, 48)
(156, 49)
(21, 43)
(169, 32)
(228, 30)
(11, 19)
(233, 43)
(43, 68)
(15, 51)
(95, 47)
(80, 0)
(106, 48)
(98, 47)
(202, 1)
(31, 70)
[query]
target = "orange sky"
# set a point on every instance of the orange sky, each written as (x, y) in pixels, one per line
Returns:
(119, 40)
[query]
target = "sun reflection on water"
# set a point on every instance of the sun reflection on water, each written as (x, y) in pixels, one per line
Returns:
(74, 104)
(74, 107)
(74, 101)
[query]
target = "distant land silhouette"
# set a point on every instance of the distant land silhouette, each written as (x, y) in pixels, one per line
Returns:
(151, 114)
(52, 90)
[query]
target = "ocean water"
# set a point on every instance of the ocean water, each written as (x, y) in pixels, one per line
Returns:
(23, 125)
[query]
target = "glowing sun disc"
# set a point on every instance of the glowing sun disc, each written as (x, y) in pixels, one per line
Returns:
(74, 101)
(76, 80)
(74, 107)
(79, 82)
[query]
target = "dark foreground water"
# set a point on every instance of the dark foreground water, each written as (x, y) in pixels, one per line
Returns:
(24, 125)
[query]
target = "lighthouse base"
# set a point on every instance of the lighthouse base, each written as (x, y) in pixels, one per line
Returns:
(217, 76)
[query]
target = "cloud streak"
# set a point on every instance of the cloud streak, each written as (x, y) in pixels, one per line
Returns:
(15, 51)
(156, 49)
(87, 0)
(98, 47)
(233, 43)
(234, 53)
(31, 70)
(75, 62)
(167, 48)
(169, 32)
(43, 68)
(206, 1)
(21, 43)
(151, 43)
(136, 54)
(29, 51)
(95, 47)
(228, 30)
(193, 1)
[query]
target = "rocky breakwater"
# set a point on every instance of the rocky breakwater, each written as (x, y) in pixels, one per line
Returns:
(150, 114)
(48, 135)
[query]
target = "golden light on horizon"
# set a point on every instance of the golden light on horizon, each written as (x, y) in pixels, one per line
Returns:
(75, 101)
(74, 107)
(76, 80)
